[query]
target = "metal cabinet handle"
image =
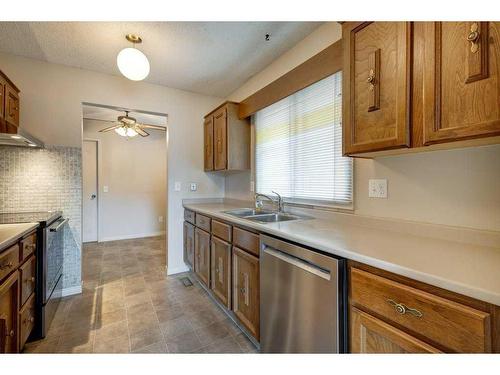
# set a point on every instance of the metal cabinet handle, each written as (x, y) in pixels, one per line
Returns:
(11, 333)
(5, 266)
(59, 226)
(371, 79)
(473, 37)
(403, 309)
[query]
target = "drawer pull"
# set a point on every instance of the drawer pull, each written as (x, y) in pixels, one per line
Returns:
(31, 279)
(10, 333)
(403, 309)
(5, 266)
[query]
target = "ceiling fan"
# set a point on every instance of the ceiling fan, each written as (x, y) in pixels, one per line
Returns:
(127, 126)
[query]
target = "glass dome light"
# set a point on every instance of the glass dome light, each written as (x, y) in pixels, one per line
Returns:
(131, 62)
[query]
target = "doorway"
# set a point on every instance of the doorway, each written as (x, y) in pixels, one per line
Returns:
(90, 188)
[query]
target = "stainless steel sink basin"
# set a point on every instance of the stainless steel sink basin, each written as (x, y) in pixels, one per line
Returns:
(244, 212)
(272, 217)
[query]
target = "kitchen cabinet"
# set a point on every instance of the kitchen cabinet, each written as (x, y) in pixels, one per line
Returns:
(9, 105)
(9, 305)
(189, 244)
(221, 271)
(226, 140)
(390, 313)
(246, 290)
(376, 86)
(416, 86)
(202, 255)
(372, 335)
(460, 80)
(208, 139)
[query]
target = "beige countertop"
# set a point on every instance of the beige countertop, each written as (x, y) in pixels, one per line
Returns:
(10, 233)
(457, 259)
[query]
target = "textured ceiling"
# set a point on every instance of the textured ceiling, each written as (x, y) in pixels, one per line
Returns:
(213, 58)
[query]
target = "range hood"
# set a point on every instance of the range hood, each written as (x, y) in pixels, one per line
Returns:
(21, 139)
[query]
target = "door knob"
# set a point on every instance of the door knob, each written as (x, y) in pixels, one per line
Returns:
(93, 196)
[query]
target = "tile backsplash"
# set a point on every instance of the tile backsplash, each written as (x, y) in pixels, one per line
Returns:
(47, 179)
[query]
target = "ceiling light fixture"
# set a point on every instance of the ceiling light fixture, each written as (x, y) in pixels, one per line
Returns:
(132, 63)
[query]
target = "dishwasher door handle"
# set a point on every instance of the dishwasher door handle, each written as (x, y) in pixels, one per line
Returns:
(297, 262)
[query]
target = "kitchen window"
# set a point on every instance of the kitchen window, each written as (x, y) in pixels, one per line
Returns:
(298, 147)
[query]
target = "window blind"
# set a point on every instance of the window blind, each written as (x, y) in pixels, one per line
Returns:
(298, 144)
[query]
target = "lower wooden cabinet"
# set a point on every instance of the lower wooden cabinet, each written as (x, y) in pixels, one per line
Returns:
(9, 305)
(221, 271)
(372, 335)
(26, 320)
(202, 256)
(246, 290)
(391, 313)
(189, 244)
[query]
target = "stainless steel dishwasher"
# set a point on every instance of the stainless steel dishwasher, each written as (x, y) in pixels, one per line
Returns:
(302, 306)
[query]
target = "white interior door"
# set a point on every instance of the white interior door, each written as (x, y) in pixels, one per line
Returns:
(89, 175)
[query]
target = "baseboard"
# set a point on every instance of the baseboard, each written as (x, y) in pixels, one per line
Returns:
(132, 236)
(77, 289)
(174, 271)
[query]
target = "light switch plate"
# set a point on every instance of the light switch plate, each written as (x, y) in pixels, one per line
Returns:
(160, 219)
(105, 189)
(193, 186)
(252, 186)
(377, 188)
(177, 186)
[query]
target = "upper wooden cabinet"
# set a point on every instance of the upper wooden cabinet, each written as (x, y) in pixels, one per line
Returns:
(420, 85)
(461, 80)
(376, 89)
(226, 140)
(9, 105)
(208, 152)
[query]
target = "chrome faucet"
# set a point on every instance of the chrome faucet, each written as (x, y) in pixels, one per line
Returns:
(278, 202)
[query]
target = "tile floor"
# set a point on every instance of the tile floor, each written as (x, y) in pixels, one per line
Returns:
(128, 305)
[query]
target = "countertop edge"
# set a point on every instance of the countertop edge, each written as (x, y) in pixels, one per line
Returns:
(13, 239)
(453, 286)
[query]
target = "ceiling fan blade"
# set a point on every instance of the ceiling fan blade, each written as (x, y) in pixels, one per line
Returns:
(156, 127)
(97, 119)
(141, 132)
(109, 128)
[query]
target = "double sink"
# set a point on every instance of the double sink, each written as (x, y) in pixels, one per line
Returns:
(262, 216)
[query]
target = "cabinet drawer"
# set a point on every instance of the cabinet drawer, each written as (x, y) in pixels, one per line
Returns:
(454, 326)
(28, 246)
(203, 222)
(26, 321)
(9, 261)
(27, 274)
(221, 230)
(189, 216)
(246, 240)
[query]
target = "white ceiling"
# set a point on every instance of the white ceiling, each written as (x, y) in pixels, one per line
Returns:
(212, 58)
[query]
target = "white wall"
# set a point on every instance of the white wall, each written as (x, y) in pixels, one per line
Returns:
(135, 172)
(51, 97)
(454, 187)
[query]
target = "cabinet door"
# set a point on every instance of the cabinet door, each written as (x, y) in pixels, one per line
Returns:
(189, 244)
(220, 133)
(221, 271)
(376, 88)
(202, 256)
(9, 305)
(246, 290)
(371, 335)
(2, 97)
(209, 143)
(11, 106)
(461, 80)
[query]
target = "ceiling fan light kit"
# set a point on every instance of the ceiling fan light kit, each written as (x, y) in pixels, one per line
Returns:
(127, 126)
(132, 63)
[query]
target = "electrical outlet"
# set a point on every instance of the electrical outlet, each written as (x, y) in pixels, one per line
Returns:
(160, 219)
(193, 186)
(105, 189)
(377, 188)
(177, 186)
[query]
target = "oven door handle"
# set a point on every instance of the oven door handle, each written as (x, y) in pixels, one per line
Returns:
(59, 226)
